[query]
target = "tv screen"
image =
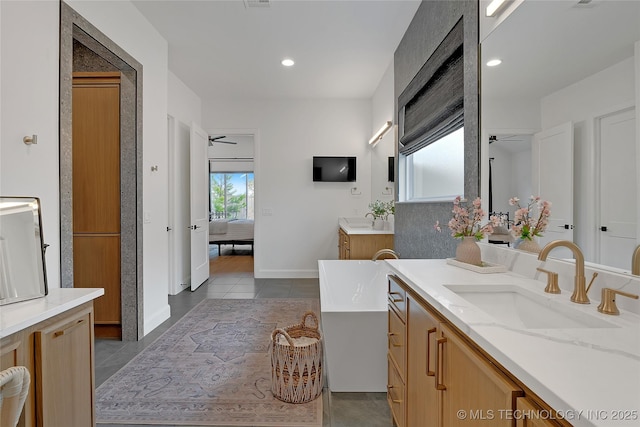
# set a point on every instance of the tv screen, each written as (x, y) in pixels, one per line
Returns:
(334, 169)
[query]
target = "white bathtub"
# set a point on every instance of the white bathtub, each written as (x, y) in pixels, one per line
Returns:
(353, 306)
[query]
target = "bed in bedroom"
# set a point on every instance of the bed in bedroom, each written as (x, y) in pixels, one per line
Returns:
(231, 232)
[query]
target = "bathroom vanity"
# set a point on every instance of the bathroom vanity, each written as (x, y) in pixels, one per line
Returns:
(466, 348)
(358, 240)
(52, 337)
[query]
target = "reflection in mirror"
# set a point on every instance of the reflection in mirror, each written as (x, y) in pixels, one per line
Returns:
(567, 66)
(22, 268)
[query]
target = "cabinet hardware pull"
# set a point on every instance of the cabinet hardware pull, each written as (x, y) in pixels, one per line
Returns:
(389, 387)
(68, 329)
(396, 300)
(391, 334)
(439, 351)
(430, 373)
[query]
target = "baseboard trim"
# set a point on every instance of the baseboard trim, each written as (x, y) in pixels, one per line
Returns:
(286, 274)
(156, 319)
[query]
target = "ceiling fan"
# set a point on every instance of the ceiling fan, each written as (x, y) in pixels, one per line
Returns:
(505, 138)
(213, 139)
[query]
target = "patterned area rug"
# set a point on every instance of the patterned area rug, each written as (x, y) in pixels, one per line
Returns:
(211, 368)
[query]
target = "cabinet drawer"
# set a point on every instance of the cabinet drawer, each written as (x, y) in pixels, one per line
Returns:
(397, 341)
(395, 394)
(531, 415)
(397, 298)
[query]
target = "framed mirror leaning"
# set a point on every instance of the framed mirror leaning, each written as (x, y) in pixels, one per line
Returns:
(22, 267)
(568, 75)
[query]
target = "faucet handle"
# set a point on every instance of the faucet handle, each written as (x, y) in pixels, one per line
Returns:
(552, 281)
(608, 302)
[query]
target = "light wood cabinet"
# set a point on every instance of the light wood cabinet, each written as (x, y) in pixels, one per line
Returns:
(528, 414)
(423, 397)
(438, 377)
(362, 246)
(59, 354)
(469, 383)
(397, 356)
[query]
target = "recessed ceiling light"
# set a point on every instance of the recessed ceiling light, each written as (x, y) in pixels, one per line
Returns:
(494, 62)
(287, 62)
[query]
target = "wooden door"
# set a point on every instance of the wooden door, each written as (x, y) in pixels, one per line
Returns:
(469, 383)
(552, 174)
(96, 194)
(423, 398)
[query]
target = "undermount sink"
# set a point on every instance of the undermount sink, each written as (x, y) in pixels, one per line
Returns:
(516, 307)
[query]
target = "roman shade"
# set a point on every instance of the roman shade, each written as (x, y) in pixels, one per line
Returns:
(432, 106)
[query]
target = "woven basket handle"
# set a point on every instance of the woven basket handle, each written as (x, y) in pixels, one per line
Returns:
(279, 331)
(313, 316)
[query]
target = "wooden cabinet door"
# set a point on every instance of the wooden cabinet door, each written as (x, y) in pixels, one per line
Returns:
(64, 371)
(473, 391)
(530, 415)
(423, 398)
(343, 244)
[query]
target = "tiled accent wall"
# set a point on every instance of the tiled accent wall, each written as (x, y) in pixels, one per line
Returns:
(414, 233)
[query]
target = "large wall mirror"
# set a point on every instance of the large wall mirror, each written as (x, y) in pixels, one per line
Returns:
(559, 119)
(22, 270)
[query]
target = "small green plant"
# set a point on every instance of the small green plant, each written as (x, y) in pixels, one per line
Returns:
(381, 210)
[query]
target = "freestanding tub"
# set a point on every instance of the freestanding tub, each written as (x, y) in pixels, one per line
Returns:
(353, 307)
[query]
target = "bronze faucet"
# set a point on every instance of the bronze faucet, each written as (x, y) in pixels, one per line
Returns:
(635, 262)
(579, 292)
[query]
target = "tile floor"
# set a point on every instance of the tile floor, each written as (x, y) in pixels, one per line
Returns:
(340, 409)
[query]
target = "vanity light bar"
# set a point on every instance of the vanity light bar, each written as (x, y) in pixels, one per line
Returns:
(494, 6)
(378, 135)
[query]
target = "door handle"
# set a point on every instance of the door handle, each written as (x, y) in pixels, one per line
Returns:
(603, 228)
(169, 228)
(195, 227)
(566, 226)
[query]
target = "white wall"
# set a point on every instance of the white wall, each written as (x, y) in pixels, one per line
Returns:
(381, 111)
(184, 107)
(579, 103)
(303, 225)
(29, 105)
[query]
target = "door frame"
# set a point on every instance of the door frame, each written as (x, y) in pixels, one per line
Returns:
(230, 132)
(74, 27)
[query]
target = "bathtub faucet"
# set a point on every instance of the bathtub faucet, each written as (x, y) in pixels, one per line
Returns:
(384, 252)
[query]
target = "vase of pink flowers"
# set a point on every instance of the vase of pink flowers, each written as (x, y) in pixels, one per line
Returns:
(466, 225)
(530, 222)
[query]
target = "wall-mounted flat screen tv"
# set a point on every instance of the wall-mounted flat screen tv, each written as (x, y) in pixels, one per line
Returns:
(334, 169)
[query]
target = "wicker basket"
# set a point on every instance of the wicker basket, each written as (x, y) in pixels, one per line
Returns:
(296, 362)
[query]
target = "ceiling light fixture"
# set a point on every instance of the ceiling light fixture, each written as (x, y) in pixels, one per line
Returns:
(287, 62)
(378, 135)
(494, 6)
(494, 62)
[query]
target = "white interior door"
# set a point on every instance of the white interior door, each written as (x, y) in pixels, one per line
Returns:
(199, 212)
(552, 173)
(618, 188)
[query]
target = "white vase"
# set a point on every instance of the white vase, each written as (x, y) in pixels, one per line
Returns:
(378, 224)
(468, 251)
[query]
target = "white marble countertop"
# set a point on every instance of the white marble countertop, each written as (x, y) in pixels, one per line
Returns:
(362, 226)
(21, 315)
(592, 375)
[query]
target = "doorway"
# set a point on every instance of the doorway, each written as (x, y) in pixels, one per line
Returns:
(84, 48)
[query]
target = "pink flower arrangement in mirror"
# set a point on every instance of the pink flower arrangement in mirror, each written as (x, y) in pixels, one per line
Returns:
(526, 223)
